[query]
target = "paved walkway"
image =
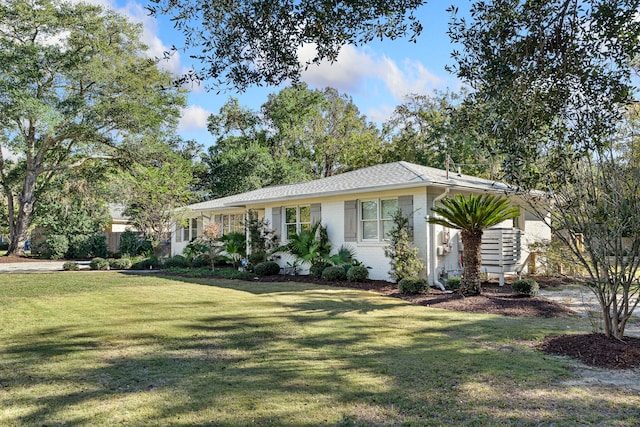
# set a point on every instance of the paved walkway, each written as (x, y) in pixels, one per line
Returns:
(37, 266)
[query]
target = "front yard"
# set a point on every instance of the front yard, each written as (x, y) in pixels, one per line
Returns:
(120, 349)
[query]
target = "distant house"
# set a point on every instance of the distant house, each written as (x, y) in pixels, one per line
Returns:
(356, 208)
(118, 225)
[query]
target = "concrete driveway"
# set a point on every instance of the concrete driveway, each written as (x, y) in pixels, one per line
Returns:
(37, 266)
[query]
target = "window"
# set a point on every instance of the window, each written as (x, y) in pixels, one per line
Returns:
(376, 218)
(232, 223)
(185, 233)
(296, 219)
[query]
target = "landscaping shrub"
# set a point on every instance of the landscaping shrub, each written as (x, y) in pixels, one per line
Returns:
(334, 274)
(120, 264)
(413, 285)
(56, 246)
(267, 268)
(358, 273)
(144, 263)
(202, 260)
(175, 261)
(71, 266)
(99, 264)
(453, 283)
(526, 287)
(317, 267)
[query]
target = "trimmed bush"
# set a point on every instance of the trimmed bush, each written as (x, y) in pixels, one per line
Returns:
(358, 273)
(175, 261)
(99, 264)
(454, 283)
(144, 263)
(317, 268)
(267, 268)
(526, 287)
(334, 274)
(200, 261)
(57, 246)
(413, 285)
(120, 264)
(71, 266)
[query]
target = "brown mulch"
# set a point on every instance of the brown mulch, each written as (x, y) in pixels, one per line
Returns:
(596, 350)
(592, 349)
(495, 299)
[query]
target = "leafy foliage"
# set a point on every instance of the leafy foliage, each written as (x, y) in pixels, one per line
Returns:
(403, 255)
(550, 77)
(526, 287)
(246, 42)
(472, 215)
(454, 283)
(235, 247)
(261, 239)
(267, 268)
(308, 245)
(71, 266)
(413, 285)
(70, 98)
(317, 267)
(436, 129)
(334, 274)
(120, 263)
(57, 246)
(99, 263)
(358, 273)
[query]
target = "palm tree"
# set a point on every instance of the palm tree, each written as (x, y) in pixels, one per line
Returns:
(309, 245)
(472, 215)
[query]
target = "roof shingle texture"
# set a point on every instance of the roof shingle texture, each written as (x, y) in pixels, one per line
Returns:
(380, 177)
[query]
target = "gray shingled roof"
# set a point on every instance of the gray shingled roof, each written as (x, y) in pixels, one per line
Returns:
(387, 176)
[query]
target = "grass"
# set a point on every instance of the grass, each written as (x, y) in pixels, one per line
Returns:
(105, 348)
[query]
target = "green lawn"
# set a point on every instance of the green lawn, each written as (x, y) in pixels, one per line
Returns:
(90, 348)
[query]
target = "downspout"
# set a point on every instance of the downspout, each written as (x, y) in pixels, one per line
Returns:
(433, 251)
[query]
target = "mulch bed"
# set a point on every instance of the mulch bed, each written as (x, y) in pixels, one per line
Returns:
(596, 350)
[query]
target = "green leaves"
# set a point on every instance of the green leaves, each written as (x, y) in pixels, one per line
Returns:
(247, 42)
(551, 76)
(474, 212)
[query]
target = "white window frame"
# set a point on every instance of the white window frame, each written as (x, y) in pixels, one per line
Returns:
(299, 224)
(232, 223)
(379, 220)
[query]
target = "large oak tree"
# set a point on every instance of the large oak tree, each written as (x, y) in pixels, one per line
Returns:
(75, 85)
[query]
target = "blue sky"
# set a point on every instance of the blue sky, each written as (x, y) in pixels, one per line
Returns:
(377, 76)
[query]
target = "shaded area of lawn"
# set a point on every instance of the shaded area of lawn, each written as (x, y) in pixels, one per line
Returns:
(136, 350)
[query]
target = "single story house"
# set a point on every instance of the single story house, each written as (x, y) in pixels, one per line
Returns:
(356, 208)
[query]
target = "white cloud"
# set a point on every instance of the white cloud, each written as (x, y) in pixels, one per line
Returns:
(193, 118)
(346, 74)
(412, 78)
(355, 66)
(380, 114)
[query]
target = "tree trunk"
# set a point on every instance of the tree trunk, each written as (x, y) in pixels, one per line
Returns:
(471, 256)
(19, 225)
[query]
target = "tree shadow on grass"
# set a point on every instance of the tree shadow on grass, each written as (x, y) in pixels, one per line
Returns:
(318, 359)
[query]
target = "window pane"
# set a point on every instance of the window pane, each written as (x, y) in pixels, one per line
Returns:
(185, 234)
(305, 227)
(305, 214)
(236, 223)
(290, 216)
(291, 230)
(389, 207)
(387, 226)
(370, 210)
(370, 230)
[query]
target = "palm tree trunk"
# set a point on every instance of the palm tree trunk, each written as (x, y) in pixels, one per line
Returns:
(472, 241)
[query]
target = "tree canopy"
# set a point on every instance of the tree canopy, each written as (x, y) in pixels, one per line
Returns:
(552, 77)
(250, 42)
(75, 86)
(322, 130)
